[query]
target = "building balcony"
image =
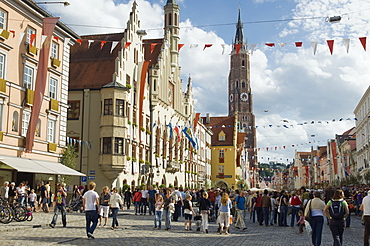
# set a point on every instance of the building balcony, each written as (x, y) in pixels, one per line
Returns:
(173, 166)
(112, 165)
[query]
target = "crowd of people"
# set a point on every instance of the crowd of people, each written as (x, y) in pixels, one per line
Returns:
(308, 208)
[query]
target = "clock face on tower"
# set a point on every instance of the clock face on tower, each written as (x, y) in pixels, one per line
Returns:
(244, 96)
(231, 98)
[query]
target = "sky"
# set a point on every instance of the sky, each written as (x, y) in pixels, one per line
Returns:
(291, 86)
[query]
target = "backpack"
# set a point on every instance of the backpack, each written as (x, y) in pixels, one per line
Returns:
(336, 210)
(186, 205)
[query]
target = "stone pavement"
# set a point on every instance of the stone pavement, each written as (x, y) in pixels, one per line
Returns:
(138, 230)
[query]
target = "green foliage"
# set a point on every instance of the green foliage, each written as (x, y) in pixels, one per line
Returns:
(68, 159)
(125, 187)
(162, 186)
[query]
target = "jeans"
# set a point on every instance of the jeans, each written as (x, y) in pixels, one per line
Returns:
(259, 215)
(240, 219)
(137, 207)
(266, 213)
(114, 216)
(167, 217)
(272, 214)
(337, 229)
(128, 203)
(295, 217)
(62, 209)
(367, 230)
(143, 205)
(21, 200)
(254, 215)
(151, 206)
(316, 224)
(91, 217)
(283, 215)
(158, 219)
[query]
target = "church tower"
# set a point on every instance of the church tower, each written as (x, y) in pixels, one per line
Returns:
(240, 95)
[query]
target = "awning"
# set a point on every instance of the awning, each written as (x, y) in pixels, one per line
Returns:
(37, 166)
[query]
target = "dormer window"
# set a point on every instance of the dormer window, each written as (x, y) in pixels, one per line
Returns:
(222, 136)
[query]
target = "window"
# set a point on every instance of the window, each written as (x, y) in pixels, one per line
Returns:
(243, 63)
(221, 168)
(15, 121)
(3, 19)
(53, 88)
(120, 107)
(51, 131)
(2, 66)
(222, 136)
(118, 146)
(237, 84)
(54, 50)
(108, 106)
(221, 153)
(73, 110)
(28, 77)
(30, 31)
(25, 119)
(243, 84)
(107, 145)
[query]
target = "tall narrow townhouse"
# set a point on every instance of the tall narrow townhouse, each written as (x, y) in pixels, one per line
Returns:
(34, 74)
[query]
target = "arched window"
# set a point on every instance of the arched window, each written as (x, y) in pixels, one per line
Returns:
(243, 63)
(169, 19)
(15, 121)
(176, 23)
(243, 84)
(237, 84)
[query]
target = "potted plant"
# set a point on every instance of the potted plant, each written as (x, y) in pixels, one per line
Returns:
(128, 86)
(142, 129)
(148, 132)
(128, 158)
(156, 155)
(134, 159)
(141, 161)
(162, 186)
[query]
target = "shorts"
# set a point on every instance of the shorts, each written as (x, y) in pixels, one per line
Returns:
(104, 211)
(44, 200)
(188, 216)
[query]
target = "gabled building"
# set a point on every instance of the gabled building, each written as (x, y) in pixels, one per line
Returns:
(29, 76)
(227, 148)
(347, 156)
(130, 105)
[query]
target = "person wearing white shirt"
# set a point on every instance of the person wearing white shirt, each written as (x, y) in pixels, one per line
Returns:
(365, 208)
(144, 201)
(114, 202)
(91, 206)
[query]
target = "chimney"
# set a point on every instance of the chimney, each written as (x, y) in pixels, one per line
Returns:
(208, 120)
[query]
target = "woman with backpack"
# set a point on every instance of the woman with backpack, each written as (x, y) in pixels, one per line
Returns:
(336, 210)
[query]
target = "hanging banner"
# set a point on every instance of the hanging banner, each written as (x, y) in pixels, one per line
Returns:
(207, 46)
(298, 44)
(41, 78)
(363, 42)
(237, 48)
(179, 46)
(114, 44)
(127, 45)
(346, 44)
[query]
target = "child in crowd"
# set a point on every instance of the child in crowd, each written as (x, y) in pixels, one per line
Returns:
(300, 221)
(158, 212)
(32, 198)
(198, 220)
(188, 212)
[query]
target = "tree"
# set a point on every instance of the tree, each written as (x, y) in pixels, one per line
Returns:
(68, 159)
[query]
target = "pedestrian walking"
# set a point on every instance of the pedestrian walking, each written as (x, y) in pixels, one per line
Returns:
(59, 205)
(336, 211)
(365, 208)
(266, 207)
(127, 198)
(204, 207)
(316, 208)
(240, 205)
(115, 202)
(4, 191)
(283, 207)
(137, 200)
(91, 206)
(295, 202)
(225, 206)
(166, 209)
(188, 213)
(158, 213)
(144, 201)
(104, 205)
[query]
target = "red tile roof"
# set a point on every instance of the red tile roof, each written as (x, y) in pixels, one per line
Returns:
(225, 124)
(93, 67)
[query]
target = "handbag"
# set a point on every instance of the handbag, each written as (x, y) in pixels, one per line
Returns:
(309, 215)
(308, 227)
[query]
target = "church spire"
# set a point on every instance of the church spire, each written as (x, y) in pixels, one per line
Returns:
(239, 38)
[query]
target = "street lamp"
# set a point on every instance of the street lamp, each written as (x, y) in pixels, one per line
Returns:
(64, 3)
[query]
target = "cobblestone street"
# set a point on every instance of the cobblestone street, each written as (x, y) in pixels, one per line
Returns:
(138, 230)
